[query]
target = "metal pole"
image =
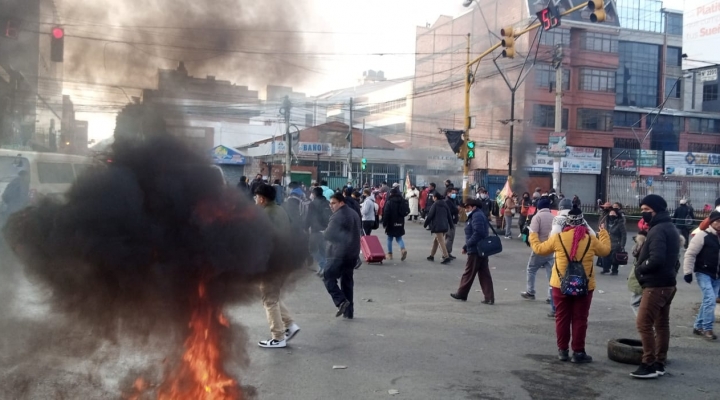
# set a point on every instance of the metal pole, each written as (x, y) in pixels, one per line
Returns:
(350, 134)
(512, 127)
(362, 151)
(558, 117)
(466, 134)
(287, 106)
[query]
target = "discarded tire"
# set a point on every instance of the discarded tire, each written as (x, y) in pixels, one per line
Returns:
(626, 351)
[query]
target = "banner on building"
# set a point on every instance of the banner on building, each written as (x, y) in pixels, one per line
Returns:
(307, 148)
(627, 161)
(577, 160)
(557, 144)
(692, 164)
(226, 155)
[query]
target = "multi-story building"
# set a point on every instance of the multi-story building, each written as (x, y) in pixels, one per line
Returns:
(30, 83)
(631, 116)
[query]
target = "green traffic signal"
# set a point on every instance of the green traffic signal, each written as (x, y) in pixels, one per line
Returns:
(471, 154)
(470, 144)
(364, 161)
(363, 166)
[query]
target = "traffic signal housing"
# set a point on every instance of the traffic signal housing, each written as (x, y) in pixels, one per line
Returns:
(363, 163)
(598, 10)
(508, 42)
(57, 44)
(470, 146)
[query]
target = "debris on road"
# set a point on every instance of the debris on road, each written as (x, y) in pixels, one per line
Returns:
(339, 367)
(393, 391)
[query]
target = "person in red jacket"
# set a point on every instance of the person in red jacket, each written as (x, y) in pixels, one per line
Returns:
(423, 201)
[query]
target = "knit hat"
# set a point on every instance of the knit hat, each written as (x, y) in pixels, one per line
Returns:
(683, 201)
(575, 217)
(565, 204)
(266, 191)
(714, 216)
(717, 202)
(657, 203)
(543, 203)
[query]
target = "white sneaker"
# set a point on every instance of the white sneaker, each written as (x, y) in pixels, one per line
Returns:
(291, 331)
(272, 343)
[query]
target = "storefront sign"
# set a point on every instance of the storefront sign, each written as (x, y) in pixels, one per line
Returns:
(225, 155)
(708, 75)
(692, 164)
(306, 148)
(626, 161)
(577, 160)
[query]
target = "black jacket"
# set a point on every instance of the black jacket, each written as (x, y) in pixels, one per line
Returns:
(394, 214)
(454, 213)
(318, 215)
(658, 261)
(430, 199)
(680, 216)
(708, 259)
(618, 233)
(438, 218)
(353, 204)
(343, 234)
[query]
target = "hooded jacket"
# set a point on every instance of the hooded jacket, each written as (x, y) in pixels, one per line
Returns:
(368, 209)
(439, 218)
(659, 255)
(318, 215)
(343, 234)
(618, 233)
(703, 254)
(394, 214)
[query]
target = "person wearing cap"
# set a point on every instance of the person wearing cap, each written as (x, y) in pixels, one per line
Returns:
(684, 218)
(541, 223)
(476, 229)
(615, 225)
(655, 271)
(282, 326)
(703, 259)
(571, 312)
(706, 222)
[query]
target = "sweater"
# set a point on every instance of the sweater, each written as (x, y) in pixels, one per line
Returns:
(659, 255)
(542, 223)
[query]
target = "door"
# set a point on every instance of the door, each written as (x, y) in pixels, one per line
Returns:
(584, 186)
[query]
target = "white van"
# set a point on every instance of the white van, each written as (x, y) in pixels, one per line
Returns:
(51, 174)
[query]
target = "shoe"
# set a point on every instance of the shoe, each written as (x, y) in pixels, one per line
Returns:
(446, 261)
(341, 308)
(551, 314)
(389, 256)
(358, 263)
(604, 272)
(614, 273)
(548, 301)
(519, 236)
(698, 332)
(431, 258)
(508, 237)
(709, 335)
(717, 300)
(457, 297)
(320, 273)
(580, 358)
(659, 368)
(291, 331)
(272, 343)
(528, 296)
(452, 257)
(347, 316)
(645, 371)
(488, 302)
(404, 254)
(563, 355)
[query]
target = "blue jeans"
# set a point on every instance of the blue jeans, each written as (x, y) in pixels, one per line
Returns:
(534, 264)
(399, 240)
(709, 288)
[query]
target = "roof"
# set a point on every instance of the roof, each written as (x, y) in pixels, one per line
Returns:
(318, 134)
(361, 90)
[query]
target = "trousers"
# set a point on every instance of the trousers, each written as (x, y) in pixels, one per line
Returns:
(450, 239)
(278, 315)
(571, 320)
(439, 240)
(653, 323)
(476, 265)
(341, 269)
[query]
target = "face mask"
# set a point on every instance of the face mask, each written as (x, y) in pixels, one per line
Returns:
(613, 217)
(453, 195)
(312, 196)
(483, 196)
(647, 217)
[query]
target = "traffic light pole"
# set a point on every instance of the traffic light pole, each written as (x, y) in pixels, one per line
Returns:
(469, 80)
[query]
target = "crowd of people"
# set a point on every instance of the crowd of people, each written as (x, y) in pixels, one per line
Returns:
(554, 227)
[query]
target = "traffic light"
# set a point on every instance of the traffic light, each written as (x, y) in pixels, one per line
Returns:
(363, 163)
(598, 10)
(470, 149)
(57, 44)
(508, 42)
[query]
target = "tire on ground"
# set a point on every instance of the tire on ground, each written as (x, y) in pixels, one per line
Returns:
(626, 351)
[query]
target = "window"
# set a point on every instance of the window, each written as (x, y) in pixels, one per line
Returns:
(555, 37)
(545, 75)
(55, 172)
(674, 57)
(674, 24)
(704, 125)
(620, 143)
(710, 92)
(593, 41)
(544, 116)
(640, 15)
(674, 124)
(594, 120)
(597, 80)
(621, 118)
(704, 148)
(672, 88)
(638, 75)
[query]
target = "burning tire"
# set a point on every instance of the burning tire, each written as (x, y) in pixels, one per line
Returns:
(626, 351)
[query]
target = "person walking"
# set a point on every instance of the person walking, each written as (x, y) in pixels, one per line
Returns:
(430, 198)
(476, 229)
(541, 223)
(256, 183)
(618, 237)
(413, 197)
(703, 258)
(317, 220)
(525, 204)
(369, 212)
(655, 271)
(393, 220)
(343, 237)
(684, 219)
(438, 221)
(422, 202)
(508, 211)
(451, 201)
(574, 244)
(282, 326)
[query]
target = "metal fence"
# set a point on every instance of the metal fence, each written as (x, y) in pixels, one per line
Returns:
(626, 190)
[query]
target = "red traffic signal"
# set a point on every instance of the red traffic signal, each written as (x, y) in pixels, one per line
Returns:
(58, 33)
(57, 44)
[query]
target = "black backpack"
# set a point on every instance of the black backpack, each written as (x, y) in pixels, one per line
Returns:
(575, 282)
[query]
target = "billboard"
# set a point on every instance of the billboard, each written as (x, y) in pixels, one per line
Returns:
(701, 32)
(577, 160)
(692, 164)
(627, 161)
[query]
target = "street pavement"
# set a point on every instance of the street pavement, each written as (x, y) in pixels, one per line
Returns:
(409, 337)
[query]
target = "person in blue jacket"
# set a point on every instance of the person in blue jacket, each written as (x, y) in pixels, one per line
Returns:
(476, 229)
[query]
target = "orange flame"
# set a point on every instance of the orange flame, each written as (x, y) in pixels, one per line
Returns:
(201, 375)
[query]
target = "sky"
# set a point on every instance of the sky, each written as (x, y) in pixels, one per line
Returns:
(328, 46)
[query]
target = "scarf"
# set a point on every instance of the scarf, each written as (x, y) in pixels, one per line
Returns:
(578, 235)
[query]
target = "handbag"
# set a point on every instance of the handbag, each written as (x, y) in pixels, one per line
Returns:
(490, 245)
(621, 257)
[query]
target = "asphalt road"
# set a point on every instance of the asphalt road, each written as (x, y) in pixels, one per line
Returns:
(411, 337)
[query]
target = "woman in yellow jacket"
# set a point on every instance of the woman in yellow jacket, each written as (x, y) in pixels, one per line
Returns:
(572, 311)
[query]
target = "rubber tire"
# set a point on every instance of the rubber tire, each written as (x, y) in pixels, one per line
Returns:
(625, 351)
